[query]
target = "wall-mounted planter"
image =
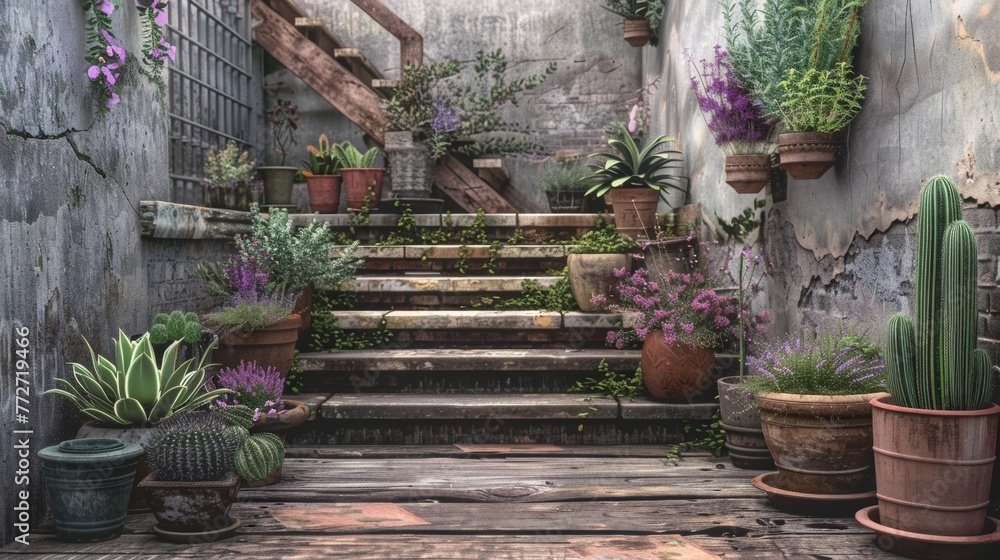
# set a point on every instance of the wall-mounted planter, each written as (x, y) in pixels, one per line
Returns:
(637, 32)
(748, 174)
(807, 155)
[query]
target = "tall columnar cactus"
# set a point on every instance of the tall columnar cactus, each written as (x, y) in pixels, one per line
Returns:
(936, 365)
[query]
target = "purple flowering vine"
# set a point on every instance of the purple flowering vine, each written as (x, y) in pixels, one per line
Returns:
(104, 53)
(735, 119)
(155, 48)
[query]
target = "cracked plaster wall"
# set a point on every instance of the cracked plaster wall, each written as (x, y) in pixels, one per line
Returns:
(598, 72)
(71, 260)
(843, 244)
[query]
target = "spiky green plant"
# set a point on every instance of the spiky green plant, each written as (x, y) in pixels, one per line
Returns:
(351, 158)
(191, 447)
(135, 389)
(630, 167)
(937, 365)
(257, 455)
(176, 325)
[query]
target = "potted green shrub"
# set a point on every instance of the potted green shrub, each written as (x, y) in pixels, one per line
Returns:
(229, 179)
(197, 460)
(633, 180)
(278, 179)
(564, 185)
(642, 17)
(322, 173)
(362, 182)
(813, 397)
(593, 259)
(935, 437)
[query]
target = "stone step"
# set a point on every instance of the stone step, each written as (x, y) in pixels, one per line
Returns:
(430, 290)
(429, 406)
(452, 259)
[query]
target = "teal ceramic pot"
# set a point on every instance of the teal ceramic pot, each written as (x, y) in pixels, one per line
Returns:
(89, 483)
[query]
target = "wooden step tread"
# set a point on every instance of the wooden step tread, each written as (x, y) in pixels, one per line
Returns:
(407, 319)
(436, 284)
(434, 406)
(515, 450)
(465, 360)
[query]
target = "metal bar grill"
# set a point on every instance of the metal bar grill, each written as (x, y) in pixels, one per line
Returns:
(209, 86)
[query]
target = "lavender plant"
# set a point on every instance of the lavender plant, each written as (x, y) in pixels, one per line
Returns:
(735, 119)
(835, 363)
(256, 387)
(251, 304)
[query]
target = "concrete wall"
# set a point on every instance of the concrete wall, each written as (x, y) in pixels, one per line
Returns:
(71, 260)
(598, 72)
(843, 245)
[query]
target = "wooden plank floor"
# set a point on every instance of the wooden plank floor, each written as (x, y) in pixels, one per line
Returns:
(440, 502)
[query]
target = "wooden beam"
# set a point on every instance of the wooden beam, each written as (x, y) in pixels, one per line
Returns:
(308, 22)
(319, 71)
(411, 43)
(467, 190)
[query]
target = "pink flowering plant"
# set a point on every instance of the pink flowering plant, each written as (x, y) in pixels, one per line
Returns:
(256, 387)
(684, 305)
(104, 54)
(155, 48)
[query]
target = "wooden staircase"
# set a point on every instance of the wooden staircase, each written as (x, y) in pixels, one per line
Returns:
(454, 373)
(342, 76)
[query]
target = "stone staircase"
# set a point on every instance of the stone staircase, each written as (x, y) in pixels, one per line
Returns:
(453, 373)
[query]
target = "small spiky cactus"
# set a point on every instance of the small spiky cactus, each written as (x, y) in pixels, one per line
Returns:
(191, 447)
(257, 455)
(937, 364)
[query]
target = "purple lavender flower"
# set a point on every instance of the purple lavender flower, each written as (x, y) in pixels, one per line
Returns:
(444, 119)
(254, 386)
(247, 280)
(733, 116)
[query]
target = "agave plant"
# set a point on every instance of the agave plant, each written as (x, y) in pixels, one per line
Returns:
(630, 167)
(134, 389)
(351, 158)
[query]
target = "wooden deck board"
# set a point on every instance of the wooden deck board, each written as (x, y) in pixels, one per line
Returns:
(438, 502)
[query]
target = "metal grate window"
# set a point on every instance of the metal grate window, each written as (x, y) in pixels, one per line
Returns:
(209, 86)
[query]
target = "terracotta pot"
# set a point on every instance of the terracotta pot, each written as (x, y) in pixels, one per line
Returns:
(592, 275)
(807, 155)
(635, 211)
(278, 181)
(137, 501)
(303, 308)
(357, 184)
(741, 422)
(190, 507)
(933, 467)
(675, 371)
(822, 444)
(748, 174)
(324, 193)
(271, 346)
(637, 32)
(294, 414)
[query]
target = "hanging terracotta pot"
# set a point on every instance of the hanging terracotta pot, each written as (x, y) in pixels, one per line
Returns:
(273, 345)
(592, 275)
(740, 420)
(748, 174)
(675, 371)
(635, 211)
(807, 155)
(359, 182)
(933, 467)
(637, 32)
(822, 444)
(324, 193)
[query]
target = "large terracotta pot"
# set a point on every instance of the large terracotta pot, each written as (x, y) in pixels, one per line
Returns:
(357, 184)
(933, 467)
(675, 371)
(637, 32)
(278, 181)
(324, 193)
(741, 422)
(807, 155)
(822, 444)
(273, 345)
(592, 275)
(635, 211)
(748, 174)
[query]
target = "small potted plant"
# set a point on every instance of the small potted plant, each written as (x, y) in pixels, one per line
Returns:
(813, 397)
(229, 179)
(362, 182)
(736, 121)
(278, 179)
(322, 173)
(642, 17)
(633, 180)
(593, 259)
(564, 185)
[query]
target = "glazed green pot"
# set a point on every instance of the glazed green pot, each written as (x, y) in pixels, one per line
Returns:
(89, 483)
(278, 181)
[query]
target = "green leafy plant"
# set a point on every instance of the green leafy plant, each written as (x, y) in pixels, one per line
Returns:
(820, 100)
(742, 225)
(558, 297)
(711, 437)
(604, 239)
(176, 325)
(611, 385)
(228, 166)
(134, 389)
(630, 167)
(564, 177)
(938, 366)
(242, 315)
(649, 10)
(351, 158)
(321, 159)
(327, 336)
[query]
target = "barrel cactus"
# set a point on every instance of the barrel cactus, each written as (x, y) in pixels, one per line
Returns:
(191, 447)
(935, 364)
(257, 455)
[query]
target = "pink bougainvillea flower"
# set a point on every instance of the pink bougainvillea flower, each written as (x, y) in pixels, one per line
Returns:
(106, 7)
